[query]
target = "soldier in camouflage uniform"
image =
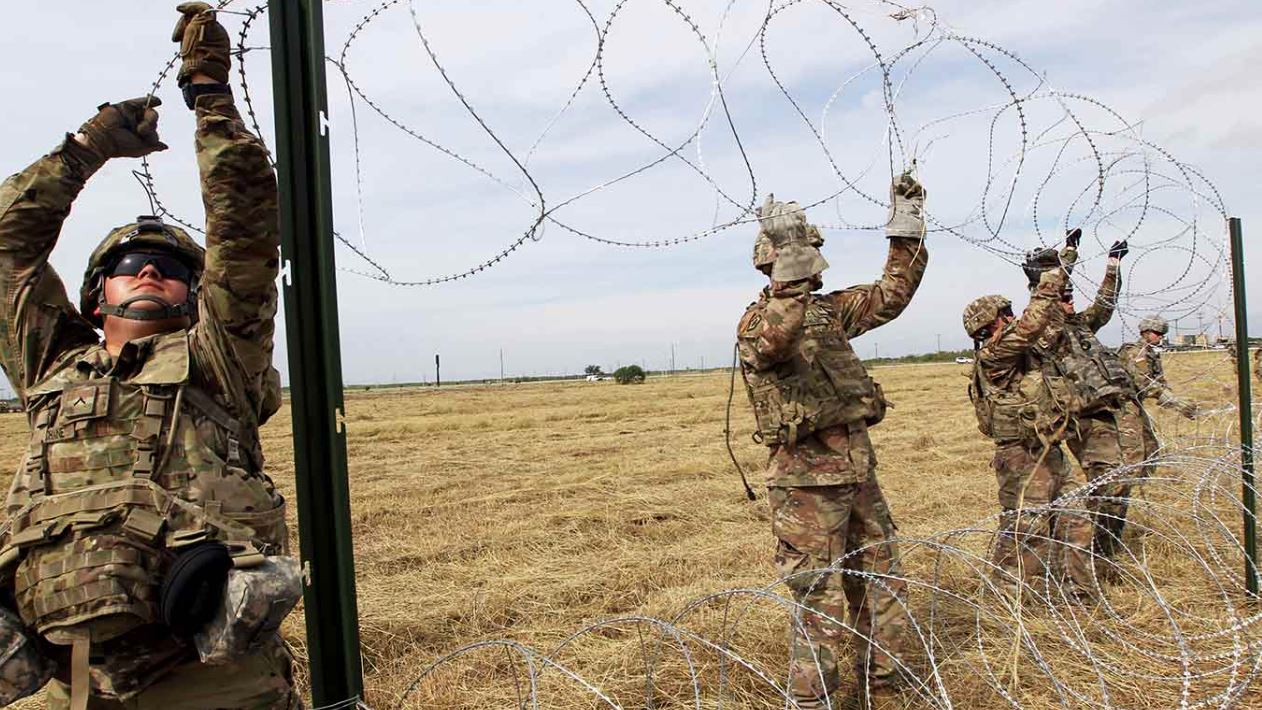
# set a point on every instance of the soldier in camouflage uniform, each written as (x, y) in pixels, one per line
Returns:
(1010, 400)
(1143, 360)
(1106, 425)
(143, 483)
(814, 402)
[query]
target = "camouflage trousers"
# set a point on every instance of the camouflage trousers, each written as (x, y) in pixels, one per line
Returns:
(1111, 446)
(260, 681)
(815, 526)
(1031, 545)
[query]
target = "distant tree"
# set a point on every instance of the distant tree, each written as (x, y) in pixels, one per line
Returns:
(592, 370)
(629, 375)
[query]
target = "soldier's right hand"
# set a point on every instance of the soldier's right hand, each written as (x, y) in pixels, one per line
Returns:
(1073, 237)
(128, 129)
(204, 44)
(1119, 250)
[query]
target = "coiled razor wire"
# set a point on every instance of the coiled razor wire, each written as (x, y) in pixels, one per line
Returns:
(971, 641)
(1127, 187)
(1137, 640)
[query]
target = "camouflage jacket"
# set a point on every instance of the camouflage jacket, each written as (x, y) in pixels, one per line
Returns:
(91, 413)
(1005, 362)
(1143, 362)
(769, 333)
(1085, 375)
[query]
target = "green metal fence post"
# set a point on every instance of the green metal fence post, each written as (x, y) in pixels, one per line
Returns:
(315, 367)
(1248, 492)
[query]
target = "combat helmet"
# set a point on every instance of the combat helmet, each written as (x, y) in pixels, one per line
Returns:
(983, 311)
(1156, 324)
(764, 253)
(147, 233)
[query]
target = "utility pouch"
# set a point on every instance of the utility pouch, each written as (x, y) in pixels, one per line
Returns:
(255, 602)
(23, 671)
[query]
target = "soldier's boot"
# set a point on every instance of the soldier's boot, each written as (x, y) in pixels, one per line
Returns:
(814, 677)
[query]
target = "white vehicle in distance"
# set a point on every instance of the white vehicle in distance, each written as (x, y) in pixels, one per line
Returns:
(963, 360)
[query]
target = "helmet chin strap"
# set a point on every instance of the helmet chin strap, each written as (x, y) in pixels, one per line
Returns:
(124, 309)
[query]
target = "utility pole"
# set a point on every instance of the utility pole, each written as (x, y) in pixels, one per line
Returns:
(501, 366)
(438, 372)
(315, 364)
(876, 351)
(939, 342)
(672, 358)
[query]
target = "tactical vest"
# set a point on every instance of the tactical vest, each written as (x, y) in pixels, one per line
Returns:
(822, 385)
(1082, 376)
(1007, 413)
(121, 475)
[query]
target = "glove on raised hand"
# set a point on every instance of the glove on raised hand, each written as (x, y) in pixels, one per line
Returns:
(907, 206)
(204, 44)
(128, 129)
(1073, 237)
(1119, 250)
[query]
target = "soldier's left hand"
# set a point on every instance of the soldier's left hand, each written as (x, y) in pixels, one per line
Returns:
(1119, 250)
(204, 44)
(1073, 237)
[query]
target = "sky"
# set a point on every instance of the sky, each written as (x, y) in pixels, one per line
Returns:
(1150, 83)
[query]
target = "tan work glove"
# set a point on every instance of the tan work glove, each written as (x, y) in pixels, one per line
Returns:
(128, 129)
(204, 44)
(907, 208)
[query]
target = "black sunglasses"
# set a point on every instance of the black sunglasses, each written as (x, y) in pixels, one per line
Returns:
(134, 262)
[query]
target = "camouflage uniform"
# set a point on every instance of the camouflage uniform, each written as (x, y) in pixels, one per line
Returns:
(825, 501)
(174, 416)
(1106, 426)
(1143, 362)
(1030, 467)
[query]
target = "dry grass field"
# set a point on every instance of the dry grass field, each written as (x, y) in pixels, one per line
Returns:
(526, 512)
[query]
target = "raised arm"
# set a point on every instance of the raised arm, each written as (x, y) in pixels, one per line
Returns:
(868, 306)
(1098, 314)
(232, 342)
(1005, 350)
(872, 305)
(39, 324)
(237, 298)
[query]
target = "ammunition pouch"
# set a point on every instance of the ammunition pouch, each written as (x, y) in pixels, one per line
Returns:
(256, 599)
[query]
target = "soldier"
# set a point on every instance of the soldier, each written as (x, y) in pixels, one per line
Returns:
(143, 546)
(1106, 424)
(1010, 401)
(814, 402)
(1143, 360)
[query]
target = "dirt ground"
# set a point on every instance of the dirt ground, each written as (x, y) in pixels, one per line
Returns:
(526, 512)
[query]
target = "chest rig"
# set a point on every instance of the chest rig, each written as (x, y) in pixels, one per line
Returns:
(822, 385)
(124, 472)
(1082, 376)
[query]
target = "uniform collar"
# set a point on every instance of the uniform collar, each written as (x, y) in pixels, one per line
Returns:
(130, 359)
